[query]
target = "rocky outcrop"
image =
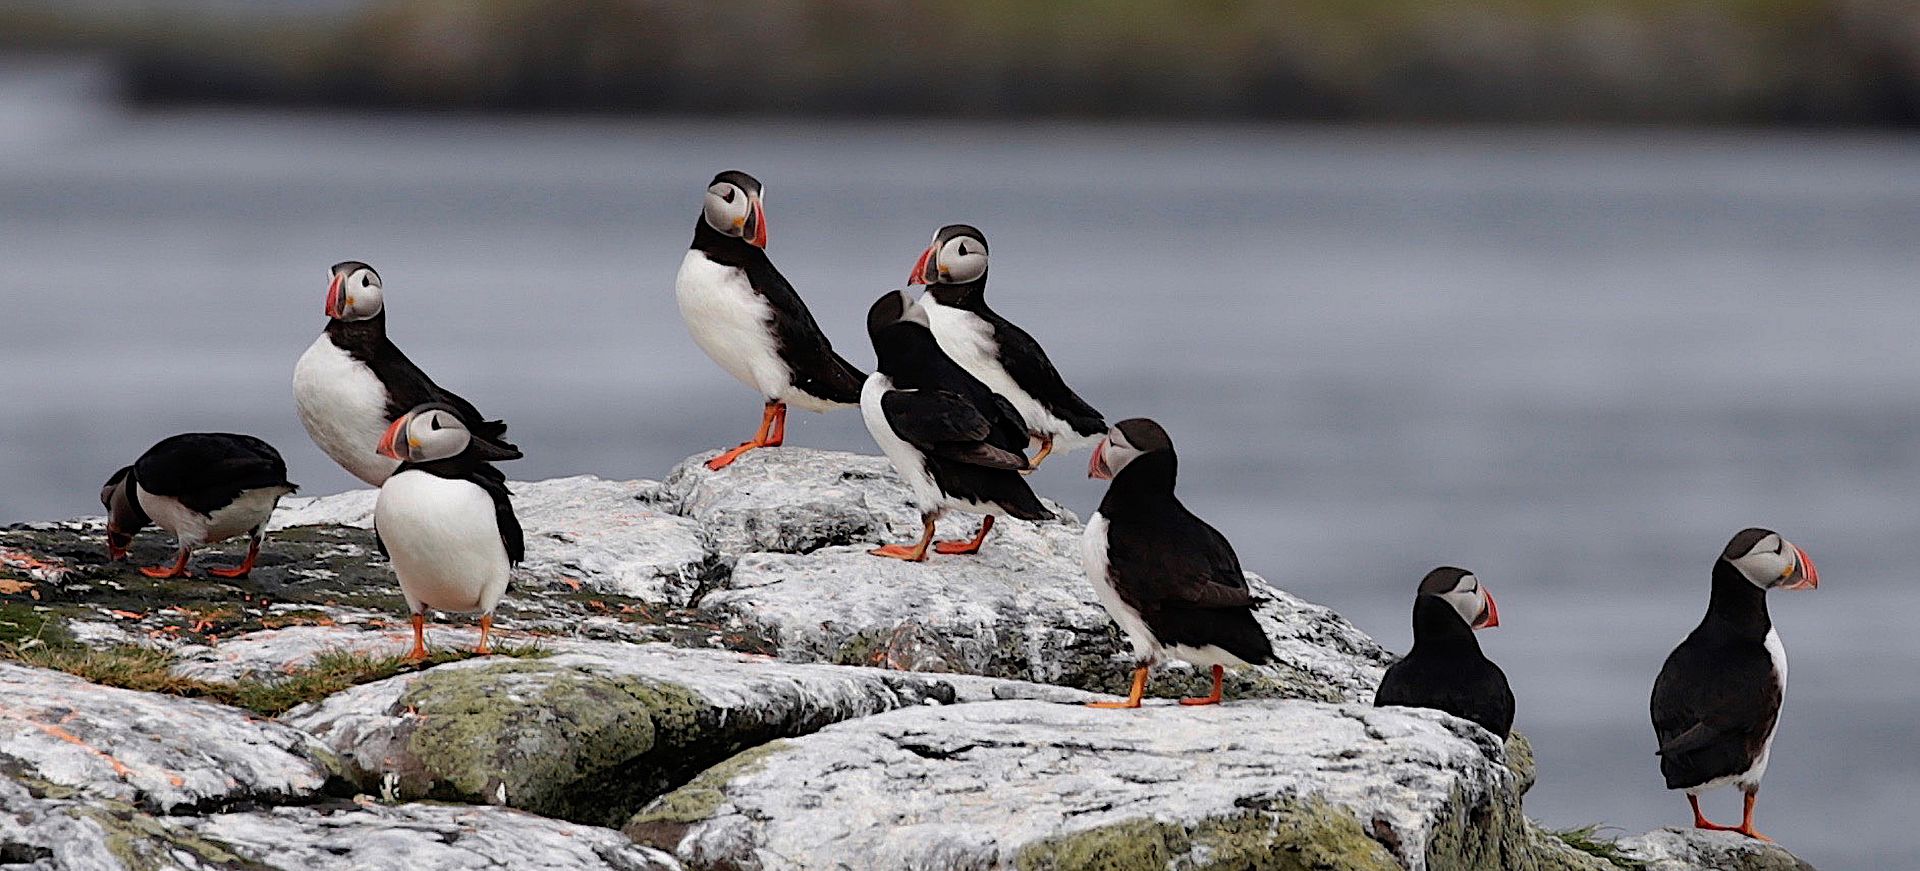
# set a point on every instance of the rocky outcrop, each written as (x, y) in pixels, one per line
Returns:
(714, 664)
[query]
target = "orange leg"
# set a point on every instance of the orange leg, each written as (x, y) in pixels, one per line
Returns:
(1746, 820)
(1219, 672)
(486, 629)
(1700, 820)
(177, 570)
(779, 435)
(1133, 697)
(914, 554)
(973, 546)
(1046, 447)
(245, 566)
(419, 651)
(761, 437)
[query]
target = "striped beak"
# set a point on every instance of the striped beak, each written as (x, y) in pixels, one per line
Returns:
(335, 297)
(1803, 566)
(394, 442)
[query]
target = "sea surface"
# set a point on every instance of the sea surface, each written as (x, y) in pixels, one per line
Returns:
(1573, 362)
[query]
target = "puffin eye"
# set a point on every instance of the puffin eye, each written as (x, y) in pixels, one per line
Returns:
(726, 195)
(434, 421)
(365, 281)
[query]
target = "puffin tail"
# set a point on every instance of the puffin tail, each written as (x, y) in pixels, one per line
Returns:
(494, 432)
(844, 386)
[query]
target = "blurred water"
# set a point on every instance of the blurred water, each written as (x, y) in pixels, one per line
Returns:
(1575, 363)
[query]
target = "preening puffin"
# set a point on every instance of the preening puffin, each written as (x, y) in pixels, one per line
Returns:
(743, 314)
(1445, 670)
(202, 487)
(956, 443)
(1717, 701)
(352, 381)
(1010, 362)
(1171, 581)
(445, 520)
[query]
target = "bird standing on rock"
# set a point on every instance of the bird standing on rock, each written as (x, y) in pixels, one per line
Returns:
(1171, 581)
(353, 381)
(956, 443)
(992, 348)
(1716, 704)
(201, 487)
(445, 520)
(743, 314)
(1445, 670)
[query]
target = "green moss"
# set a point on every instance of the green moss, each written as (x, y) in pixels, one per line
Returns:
(1589, 840)
(1290, 835)
(140, 841)
(662, 822)
(22, 622)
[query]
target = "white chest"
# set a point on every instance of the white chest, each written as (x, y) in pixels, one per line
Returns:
(968, 339)
(730, 322)
(444, 542)
(1093, 559)
(248, 510)
(907, 459)
(343, 405)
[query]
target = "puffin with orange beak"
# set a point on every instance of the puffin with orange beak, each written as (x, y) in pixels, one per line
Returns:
(1445, 670)
(445, 520)
(742, 312)
(994, 349)
(353, 381)
(1716, 704)
(1171, 581)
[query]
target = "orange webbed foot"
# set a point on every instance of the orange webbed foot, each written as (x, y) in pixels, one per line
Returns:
(235, 572)
(164, 572)
(901, 552)
(1128, 703)
(956, 547)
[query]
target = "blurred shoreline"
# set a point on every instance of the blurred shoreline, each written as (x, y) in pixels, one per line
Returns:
(1631, 62)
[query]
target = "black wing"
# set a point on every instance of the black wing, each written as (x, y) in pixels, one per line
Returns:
(946, 425)
(1028, 365)
(1185, 580)
(814, 366)
(1712, 707)
(1469, 687)
(205, 471)
(510, 534)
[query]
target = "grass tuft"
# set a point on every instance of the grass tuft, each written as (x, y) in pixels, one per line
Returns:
(1589, 840)
(148, 670)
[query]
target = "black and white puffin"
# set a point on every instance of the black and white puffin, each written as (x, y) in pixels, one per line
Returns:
(1171, 581)
(745, 315)
(1717, 701)
(444, 519)
(956, 443)
(352, 381)
(1005, 357)
(202, 487)
(1445, 670)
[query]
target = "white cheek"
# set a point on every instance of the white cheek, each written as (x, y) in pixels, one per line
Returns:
(1465, 603)
(1118, 456)
(1763, 570)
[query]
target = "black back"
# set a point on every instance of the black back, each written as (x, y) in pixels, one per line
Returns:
(1023, 358)
(816, 368)
(974, 441)
(1446, 671)
(1717, 697)
(407, 386)
(1175, 569)
(206, 470)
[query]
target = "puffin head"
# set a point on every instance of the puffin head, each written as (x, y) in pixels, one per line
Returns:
(1125, 442)
(733, 207)
(1770, 562)
(434, 431)
(957, 255)
(124, 514)
(1461, 589)
(353, 293)
(895, 307)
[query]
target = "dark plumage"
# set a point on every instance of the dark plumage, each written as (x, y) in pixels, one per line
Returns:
(202, 488)
(1445, 670)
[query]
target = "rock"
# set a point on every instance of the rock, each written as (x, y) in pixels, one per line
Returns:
(1034, 785)
(594, 730)
(611, 536)
(45, 833)
(161, 753)
(1689, 849)
(792, 500)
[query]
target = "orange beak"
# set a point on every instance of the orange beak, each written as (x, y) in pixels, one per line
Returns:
(334, 296)
(1097, 466)
(1492, 617)
(1809, 576)
(920, 266)
(391, 443)
(757, 235)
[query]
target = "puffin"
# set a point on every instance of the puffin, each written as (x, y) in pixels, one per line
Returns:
(742, 312)
(1716, 703)
(201, 487)
(1445, 670)
(444, 519)
(352, 382)
(1171, 581)
(1005, 357)
(955, 442)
